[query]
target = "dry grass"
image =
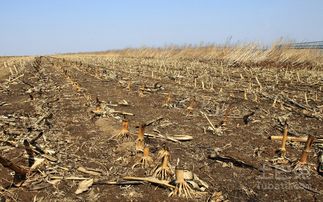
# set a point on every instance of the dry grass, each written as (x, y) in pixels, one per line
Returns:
(250, 53)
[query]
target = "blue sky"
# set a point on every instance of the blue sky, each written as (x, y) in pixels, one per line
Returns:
(56, 26)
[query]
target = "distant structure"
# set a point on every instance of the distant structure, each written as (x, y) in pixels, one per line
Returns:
(307, 45)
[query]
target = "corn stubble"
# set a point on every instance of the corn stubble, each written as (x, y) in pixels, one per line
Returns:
(182, 189)
(307, 149)
(164, 170)
(140, 144)
(145, 161)
(124, 133)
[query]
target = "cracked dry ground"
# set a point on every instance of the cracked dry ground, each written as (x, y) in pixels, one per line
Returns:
(65, 93)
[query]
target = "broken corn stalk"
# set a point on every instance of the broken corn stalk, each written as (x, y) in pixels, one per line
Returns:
(30, 153)
(283, 147)
(307, 150)
(140, 140)
(164, 151)
(289, 138)
(9, 164)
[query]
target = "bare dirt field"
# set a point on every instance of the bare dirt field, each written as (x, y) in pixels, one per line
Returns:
(61, 117)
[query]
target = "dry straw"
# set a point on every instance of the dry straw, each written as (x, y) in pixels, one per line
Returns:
(245, 53)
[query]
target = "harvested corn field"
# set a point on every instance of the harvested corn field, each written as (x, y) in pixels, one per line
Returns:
(162, 125)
